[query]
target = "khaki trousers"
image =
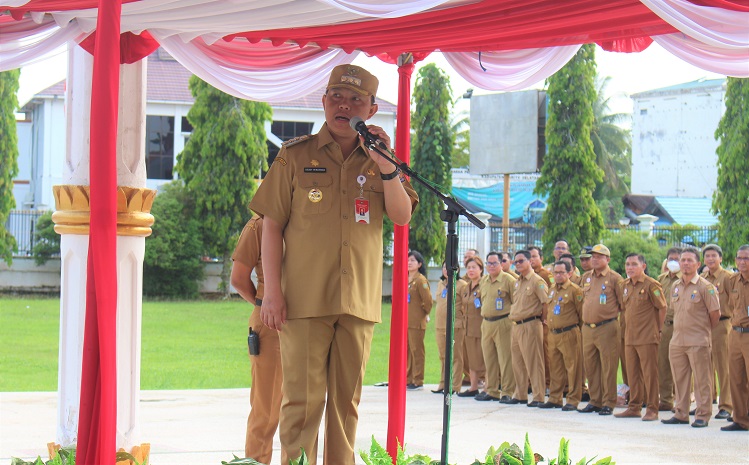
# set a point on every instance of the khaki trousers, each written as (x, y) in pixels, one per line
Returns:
(265, 392)
(547, 368)
(528, 360)
(642, 361)
(601, 360)
(719, 358)
(416, 357)
(623, 354)
(566, 363)
(439, 336)
(322, 355)
(505, 357)
(689, 363)
(475, 356)
(665, 377)
(738, 361)
(459, 357)
(490, 343)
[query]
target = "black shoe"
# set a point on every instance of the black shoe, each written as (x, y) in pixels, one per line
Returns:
(414, 387)
(438, 391)
(485, 398)
(733, 427)
(722, 415)
(473, 393)
(674, 421)
(569, 408)
(693, 411)
(515, 401)
(606, 411)
(699, 424)
(585, 397)
(535, 403)
(590, 409)
(730, 419)
(504, 399)
(550, 405)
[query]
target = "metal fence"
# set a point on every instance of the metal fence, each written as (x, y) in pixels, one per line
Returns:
(22, 225)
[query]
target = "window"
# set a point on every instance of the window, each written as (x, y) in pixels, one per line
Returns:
(159, 146)
(286, 130)
(643, 111)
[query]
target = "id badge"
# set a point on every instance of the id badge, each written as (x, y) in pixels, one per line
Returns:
(409, 298)
(557, 309)
(477, 302)
(361, 207)
(500, 305)
(602, 299)
(444, 293)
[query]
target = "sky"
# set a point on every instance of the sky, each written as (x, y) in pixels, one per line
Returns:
(630, 73)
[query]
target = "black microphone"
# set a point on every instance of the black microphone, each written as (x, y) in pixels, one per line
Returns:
(358, 125)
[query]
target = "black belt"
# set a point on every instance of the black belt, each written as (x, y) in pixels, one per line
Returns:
(595, 325)
(527, 320)
(668, 322)
(741, 329)
(259, 302)
(724, 318)
(496, 318)
(563, 330)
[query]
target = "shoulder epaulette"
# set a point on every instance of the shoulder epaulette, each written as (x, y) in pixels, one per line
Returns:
(296, 140)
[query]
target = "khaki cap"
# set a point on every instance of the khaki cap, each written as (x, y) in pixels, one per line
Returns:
(355, 78)
(601, 249)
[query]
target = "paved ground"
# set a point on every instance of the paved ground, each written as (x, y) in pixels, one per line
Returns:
(207, 426)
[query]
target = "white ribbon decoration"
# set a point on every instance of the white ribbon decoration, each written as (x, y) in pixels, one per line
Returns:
(710, 58)
(25, 42)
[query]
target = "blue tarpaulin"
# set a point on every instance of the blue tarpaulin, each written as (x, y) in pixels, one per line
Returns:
(491, 199)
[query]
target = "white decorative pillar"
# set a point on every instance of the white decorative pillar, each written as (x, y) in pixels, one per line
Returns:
(72, 217)
(647, 223)
(485, 236)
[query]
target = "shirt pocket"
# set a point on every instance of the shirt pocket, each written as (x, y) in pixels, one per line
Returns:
(374, 191)
(695, 298)
(316, 193)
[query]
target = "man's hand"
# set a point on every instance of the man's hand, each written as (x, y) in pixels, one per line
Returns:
(273, 311)
(385, 166)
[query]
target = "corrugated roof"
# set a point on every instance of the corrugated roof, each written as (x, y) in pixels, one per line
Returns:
(168, 82)
(683, 87)
(689, 210)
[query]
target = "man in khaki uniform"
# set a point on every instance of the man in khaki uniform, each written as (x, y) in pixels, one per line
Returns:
(537, 260)
(507, 265)
(738, 342)
(574, 274)
(324, 199)
(565, 349)
(440, 330)
(696, 312)
(496, 330)
(585, 260)
(714, 272)
(645, 306)
(528, 311)
(265, 391)
(665, 377)
(601, 288)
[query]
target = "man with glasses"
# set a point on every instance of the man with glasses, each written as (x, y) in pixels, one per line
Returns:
(738, 342)
(601, 297)
(496, 300)
(573, 275)
(528, 311)
(507, 265)
(714, 272)
(561, 247)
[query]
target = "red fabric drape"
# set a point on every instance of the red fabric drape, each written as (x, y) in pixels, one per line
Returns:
(627, 45)
(133, 47)
(97, 423)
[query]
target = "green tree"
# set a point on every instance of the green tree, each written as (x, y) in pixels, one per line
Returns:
(627, 242)
(8, 157)
(431, 148)
(731, 199)
(612, 145)
(220, 163)
(46, 240)
(570, 174)
(172, 265)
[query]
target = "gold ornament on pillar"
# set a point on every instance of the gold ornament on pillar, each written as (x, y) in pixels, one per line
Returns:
(73, 215)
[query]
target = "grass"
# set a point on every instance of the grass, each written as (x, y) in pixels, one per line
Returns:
(185, 345)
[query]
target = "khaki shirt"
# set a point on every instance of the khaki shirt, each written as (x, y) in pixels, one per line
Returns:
(512, 273)
(472, 308)
(247, 251)
(719, 280)
(692, 301)
(529, 297)
(332, 265)
(440, 310)
(545, 275)
(596, 307)
(496, 295)
(419, 302)
(569, 298)
(642, 300)
(460, 311)
(738, 289)
(667, 281)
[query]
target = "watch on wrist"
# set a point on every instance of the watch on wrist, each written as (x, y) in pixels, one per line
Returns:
(393, 175)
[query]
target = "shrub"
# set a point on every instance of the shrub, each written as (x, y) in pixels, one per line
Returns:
(46, 240)
(627, 242)
(172, 266)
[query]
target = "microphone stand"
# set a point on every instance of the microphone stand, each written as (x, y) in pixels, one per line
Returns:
(450, 215)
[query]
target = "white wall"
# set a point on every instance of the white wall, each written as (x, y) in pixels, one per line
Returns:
(22, 182)
(673, 143)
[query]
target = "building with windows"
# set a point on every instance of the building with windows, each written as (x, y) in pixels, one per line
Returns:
(168, 100)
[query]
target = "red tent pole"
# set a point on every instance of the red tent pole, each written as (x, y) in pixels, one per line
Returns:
(97, 422)
(399, 317)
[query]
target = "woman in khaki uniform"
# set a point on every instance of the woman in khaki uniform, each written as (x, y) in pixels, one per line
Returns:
(440, 329)
(419, 307)
(472, 309)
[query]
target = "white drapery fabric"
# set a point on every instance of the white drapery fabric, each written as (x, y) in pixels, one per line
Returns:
(25, 42)
(730, 62)
(511, 70)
